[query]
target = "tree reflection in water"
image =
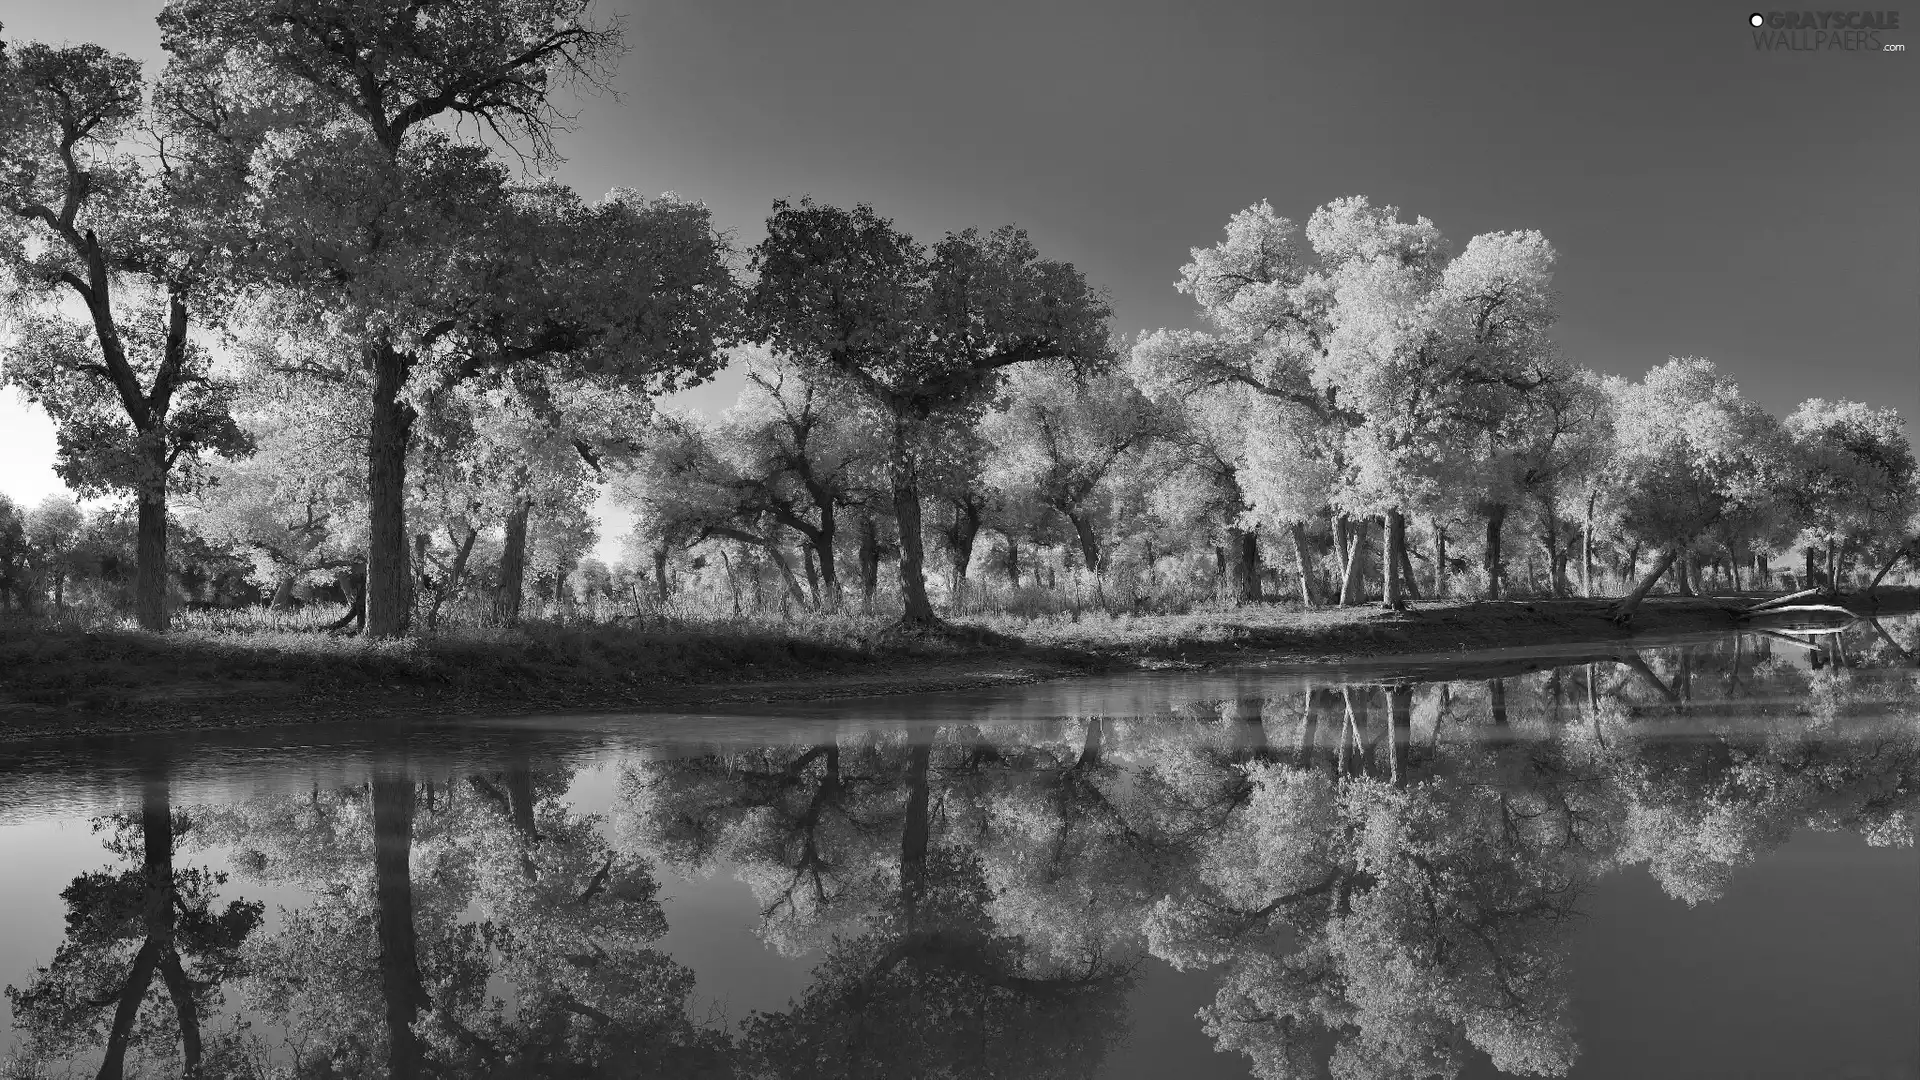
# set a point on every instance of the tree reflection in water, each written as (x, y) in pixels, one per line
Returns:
(1382, 876)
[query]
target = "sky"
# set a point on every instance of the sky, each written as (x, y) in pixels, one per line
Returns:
(1707, 197)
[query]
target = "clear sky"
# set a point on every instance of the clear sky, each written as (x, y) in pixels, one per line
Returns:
(1707, 197)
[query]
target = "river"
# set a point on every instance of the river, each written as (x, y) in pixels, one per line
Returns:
(1689, 858)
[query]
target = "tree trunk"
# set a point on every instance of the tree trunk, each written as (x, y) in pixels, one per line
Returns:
(1353, 582)
(1013, 561)
(1243, 565)
(869, 559)
(513, 567)
(1623, 611)
(401, 990)
(389, 581)
(917, 830)
(1683, 575)
(960, 534)
(822, 541)
(660, 588)
(1495, 563)
(1089, 543)
(1881, 575)
(905, 478)
(1586, 547)
(150, 552)
(283, 593)
(1557, 556)
(1439, 561)
(1409, 585)
(1300, 562)
(1394, 551)
(1400, 708)
(454, 574)
(1812, 575)
(1342, 541)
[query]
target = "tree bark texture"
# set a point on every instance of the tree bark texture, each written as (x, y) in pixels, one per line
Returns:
(389, 582)
(1302, 563)
(1495, 563)
(513, 567)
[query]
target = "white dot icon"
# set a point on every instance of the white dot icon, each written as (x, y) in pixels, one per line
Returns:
(1757, 19)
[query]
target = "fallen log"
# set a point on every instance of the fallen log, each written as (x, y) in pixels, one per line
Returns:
(1787, 599)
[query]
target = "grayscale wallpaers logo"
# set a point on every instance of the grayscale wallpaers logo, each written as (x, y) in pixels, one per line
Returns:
(1820, 31)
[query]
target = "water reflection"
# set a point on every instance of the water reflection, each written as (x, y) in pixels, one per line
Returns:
(1382, 874)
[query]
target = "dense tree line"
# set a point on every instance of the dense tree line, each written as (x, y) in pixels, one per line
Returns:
(305, 300)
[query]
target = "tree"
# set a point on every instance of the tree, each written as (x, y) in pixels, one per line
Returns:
(448, 272)
(1062, 439)
(924, 336)
(134, 234)
(16, 565)
(53, 530)
(1854, 485)
(1689, 452)
(1270, 314)
(126, 929)
(798, 447)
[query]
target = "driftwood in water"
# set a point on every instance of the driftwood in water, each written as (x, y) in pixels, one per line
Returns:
(1801, 609)
(1787, 599)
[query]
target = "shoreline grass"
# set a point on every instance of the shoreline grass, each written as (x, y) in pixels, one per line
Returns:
(75, 673)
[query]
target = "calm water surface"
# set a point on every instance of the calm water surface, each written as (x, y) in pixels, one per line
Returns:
(1690, 859)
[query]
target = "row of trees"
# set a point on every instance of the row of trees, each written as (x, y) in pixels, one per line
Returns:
(1379, 404)
(294, 279)
(1385, 879)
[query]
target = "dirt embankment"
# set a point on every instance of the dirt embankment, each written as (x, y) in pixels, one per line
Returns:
(53, 684)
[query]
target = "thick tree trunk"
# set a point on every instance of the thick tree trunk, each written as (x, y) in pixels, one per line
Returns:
(1243, 565)
(1342, 545)
(1495, 562)
(822, 541)
(150, 553)
(388, 578)
(1393, 552)
(905, 477)
(401, 989)
(1812, 576)
(660, 587)
(1683, 574)
(1623, 611)
(513, 567)
(1089, 543)
(1302, 563)
(1353, 582)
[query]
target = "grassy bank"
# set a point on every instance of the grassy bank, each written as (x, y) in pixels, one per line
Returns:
(65, 676)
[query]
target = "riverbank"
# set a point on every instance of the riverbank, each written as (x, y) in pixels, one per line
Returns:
(69, 681)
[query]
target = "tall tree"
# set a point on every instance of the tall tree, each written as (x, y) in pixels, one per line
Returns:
(132, 229)
(1689, 452)
(372, 203)
(924, 335)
